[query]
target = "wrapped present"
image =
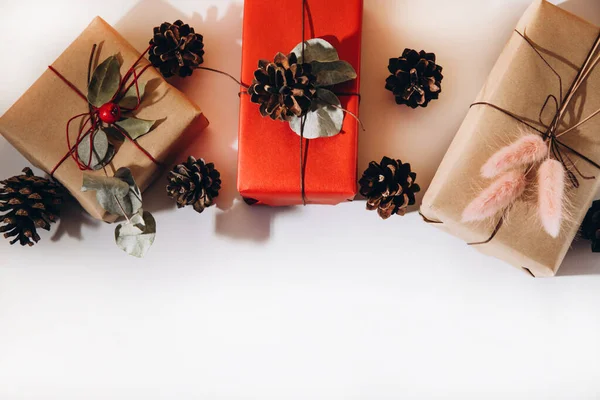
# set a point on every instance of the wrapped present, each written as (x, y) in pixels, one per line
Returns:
(524, 168)
(276, 166)
(37, 123)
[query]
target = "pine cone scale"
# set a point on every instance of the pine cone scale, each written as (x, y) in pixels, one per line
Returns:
(389, 187)
(416, 78)
(176, 49)
(282, 88)
(194, 183)
(29, 202)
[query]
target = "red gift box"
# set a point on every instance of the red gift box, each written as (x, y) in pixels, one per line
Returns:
(269, 163)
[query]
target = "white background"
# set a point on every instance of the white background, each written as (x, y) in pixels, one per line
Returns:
(294, 303)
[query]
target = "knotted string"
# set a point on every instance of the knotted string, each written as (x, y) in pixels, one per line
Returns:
(93, 118)
(303, 119)
(551, 133)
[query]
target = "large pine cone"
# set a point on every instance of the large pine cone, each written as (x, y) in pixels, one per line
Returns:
(283, 88)
(416, 78)
(194, 183)
(176, 49)
(591, 226)
(28, 202)
(389, 187)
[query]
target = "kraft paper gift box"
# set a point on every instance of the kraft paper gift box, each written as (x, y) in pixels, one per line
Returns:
(520, 82)
(36, 123)
(269, 162)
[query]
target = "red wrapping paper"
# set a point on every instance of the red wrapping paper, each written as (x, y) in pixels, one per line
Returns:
(269, 163)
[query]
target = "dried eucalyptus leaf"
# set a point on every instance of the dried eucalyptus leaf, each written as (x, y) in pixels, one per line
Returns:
(323, 119)
(136, 236)
(118, 195)
(316, 50)
(98, 151)
(130, 98)
(110, 153)
(107, 190)
(105, 81)
(136, 127)
(133, 200)
(332, 72)
(113, 133)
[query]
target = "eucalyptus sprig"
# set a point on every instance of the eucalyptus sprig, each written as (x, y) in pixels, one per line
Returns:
(326, 115)
(113, 100)
(119, 195)
(296, 88)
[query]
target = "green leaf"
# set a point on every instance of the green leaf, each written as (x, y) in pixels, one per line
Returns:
(130, 98)
(119, 195)
(99, 149)
(105, 81)
(110, 153)
(137, 235)
(332, 72)
(323, 119)
(316, 50)
(136, 127)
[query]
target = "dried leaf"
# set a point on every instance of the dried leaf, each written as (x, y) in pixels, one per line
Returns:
(323, 120)
(501, 194)
(130, 98)
(332, 72)
(136, 127)
(137, 235)
(118, 195)
(528, 149)
(316, 50)
(105, 82)
(98, 150)
(110, 154)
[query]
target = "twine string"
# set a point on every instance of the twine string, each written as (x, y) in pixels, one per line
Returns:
(303, 118)
(92, 118)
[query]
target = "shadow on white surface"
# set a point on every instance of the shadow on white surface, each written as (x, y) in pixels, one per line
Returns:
(249, 223)
(72, 220)
(580, 260)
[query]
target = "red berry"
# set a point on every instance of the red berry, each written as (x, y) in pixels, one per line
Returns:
(109, 113)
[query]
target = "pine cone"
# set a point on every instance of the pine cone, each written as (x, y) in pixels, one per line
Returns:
(416, 78)
(591, 226)
(283, 88)
(194, 183)
(28, 202)
(389, 187)
(176, 49)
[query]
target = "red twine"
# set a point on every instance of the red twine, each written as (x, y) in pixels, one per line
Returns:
(93, 119)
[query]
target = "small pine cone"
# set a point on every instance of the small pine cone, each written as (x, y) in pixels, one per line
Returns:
(389, 187)
(591, 226)
(194, 183)
(176, 49)
(283, 88)
(28, 202)
(416, 78)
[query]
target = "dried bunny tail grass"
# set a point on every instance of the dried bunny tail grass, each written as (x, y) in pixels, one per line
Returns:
(551, 194)
(502, 193)
(527, 150)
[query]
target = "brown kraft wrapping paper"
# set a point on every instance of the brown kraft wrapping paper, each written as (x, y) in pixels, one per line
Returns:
(520, 82)
(36, 123)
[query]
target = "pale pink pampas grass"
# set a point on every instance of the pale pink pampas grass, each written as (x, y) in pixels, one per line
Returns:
(551, 192)
(502, 193)
(527, 150)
